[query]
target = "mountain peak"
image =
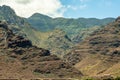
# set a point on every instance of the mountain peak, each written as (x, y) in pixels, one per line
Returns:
(40, 15)
(5, 6)
(6, 9)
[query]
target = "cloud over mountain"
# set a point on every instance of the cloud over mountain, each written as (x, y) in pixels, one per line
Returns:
(26, 8)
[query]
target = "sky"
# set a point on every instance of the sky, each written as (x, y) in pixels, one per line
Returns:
(65, 8)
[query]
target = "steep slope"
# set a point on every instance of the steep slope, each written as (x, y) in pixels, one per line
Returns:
(20, 59)
(18, 24)
(99, 54)
(56, 41)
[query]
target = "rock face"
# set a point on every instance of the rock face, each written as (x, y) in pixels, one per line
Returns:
(99, 53)
(19, 57)
(9, 40)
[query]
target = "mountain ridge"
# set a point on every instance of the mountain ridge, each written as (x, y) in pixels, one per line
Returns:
(41, 16)
(71, 26)
(37, 38)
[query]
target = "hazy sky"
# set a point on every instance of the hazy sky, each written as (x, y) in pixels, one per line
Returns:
(65, 8)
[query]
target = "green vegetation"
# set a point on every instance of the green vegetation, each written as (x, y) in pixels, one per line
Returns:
(55, 34)
(56, 41)
(74, 28)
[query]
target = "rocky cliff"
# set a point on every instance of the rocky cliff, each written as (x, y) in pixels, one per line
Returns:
(20, 59)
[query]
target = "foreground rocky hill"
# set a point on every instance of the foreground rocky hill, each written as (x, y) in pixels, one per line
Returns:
(98, 54)
(20, 59)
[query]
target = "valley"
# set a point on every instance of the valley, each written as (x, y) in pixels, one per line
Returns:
(44, 47)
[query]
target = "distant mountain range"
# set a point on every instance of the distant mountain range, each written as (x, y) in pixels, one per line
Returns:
(47, 32)
(87, 47)
(45, 23)
(72, 27)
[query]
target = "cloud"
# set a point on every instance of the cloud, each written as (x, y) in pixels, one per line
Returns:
(26, 8)
(23, 1)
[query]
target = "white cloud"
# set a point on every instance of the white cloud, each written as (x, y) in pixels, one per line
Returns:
(26, 8)
(23, 1)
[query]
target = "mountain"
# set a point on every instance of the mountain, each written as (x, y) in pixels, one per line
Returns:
(18, 24)
(43, 21)
(99, 54)
(76, 30)
(72, 27)
(40, 22)
(58, 37)
(67, 30)
(19, 59)
(56, 41)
